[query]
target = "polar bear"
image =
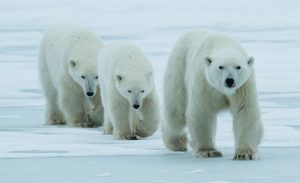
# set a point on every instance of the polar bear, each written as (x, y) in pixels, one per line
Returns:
(69, 78)
(131, 108)
(206, 73)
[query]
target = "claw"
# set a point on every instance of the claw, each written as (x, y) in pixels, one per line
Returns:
(244, 155)
(250, 157)
(132, 137)
(209, 153)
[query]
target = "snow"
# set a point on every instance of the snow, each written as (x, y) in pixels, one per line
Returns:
(32, 152)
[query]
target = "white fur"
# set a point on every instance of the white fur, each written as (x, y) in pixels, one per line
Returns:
(126, 80)
(68, 72)
(195, 92)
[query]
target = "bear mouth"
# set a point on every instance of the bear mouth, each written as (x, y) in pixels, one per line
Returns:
(230, 87)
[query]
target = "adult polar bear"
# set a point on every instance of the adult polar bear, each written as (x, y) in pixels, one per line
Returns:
(131, 107)
(68, 72)
(208, 72)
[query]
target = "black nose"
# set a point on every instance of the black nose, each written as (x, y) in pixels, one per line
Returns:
(90, 94)
(136, 106)
(229, 82)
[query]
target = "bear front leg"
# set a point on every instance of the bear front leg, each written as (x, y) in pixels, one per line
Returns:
(202, 127)
(121, 128)
(149, 116)
(247, 126)
(108, 127)
(54, 116)
(119, 115)
(73, 108)
(94, 110)
(248, 132)
(95, 117)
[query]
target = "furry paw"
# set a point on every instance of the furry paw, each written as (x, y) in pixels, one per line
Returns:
(126, 137)
(209, 153)
(108, 128)
(79, 124)
(94, 122)
(108, 131)
(176, 144)
(245, 155)
(56, 121)
(131, 137)
(90, 125)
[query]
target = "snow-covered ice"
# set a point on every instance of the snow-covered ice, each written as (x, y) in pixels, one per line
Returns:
(32, 152)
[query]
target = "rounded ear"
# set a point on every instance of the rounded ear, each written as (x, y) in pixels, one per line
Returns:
(208, 60)
(72, 63)
(119, 78)
(250, 61)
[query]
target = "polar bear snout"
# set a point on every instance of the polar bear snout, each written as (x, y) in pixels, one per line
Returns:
(229, 82)
(89, 86)
(135, 98)
(136, 101)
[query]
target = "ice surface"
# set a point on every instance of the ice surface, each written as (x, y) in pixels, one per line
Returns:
(32, 152)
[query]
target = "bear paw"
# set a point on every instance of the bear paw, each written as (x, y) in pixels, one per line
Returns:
(80, 125)
(209, 153)
(127, 137)
(131, 137)
(245, 155)
(87, 125)
(108, 131)
(177, 144)
(56, 121)
(94, 122)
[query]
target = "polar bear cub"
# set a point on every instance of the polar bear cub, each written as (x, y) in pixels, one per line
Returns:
(206, 73)
(131, 108)
(69, 78)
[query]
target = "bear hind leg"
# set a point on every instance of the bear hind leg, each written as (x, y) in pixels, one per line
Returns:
(174, 130)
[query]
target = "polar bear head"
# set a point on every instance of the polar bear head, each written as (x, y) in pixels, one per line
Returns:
(228, 73)
(134, 87)
(85, 75)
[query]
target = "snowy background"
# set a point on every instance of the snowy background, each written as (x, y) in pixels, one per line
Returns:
(34, 153)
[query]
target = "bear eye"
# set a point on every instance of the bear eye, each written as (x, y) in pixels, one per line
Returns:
(119, 78)
(238, 67)
(83, 77)
(129, 91)
(96, 77)
(221, 67)
(143, 91)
